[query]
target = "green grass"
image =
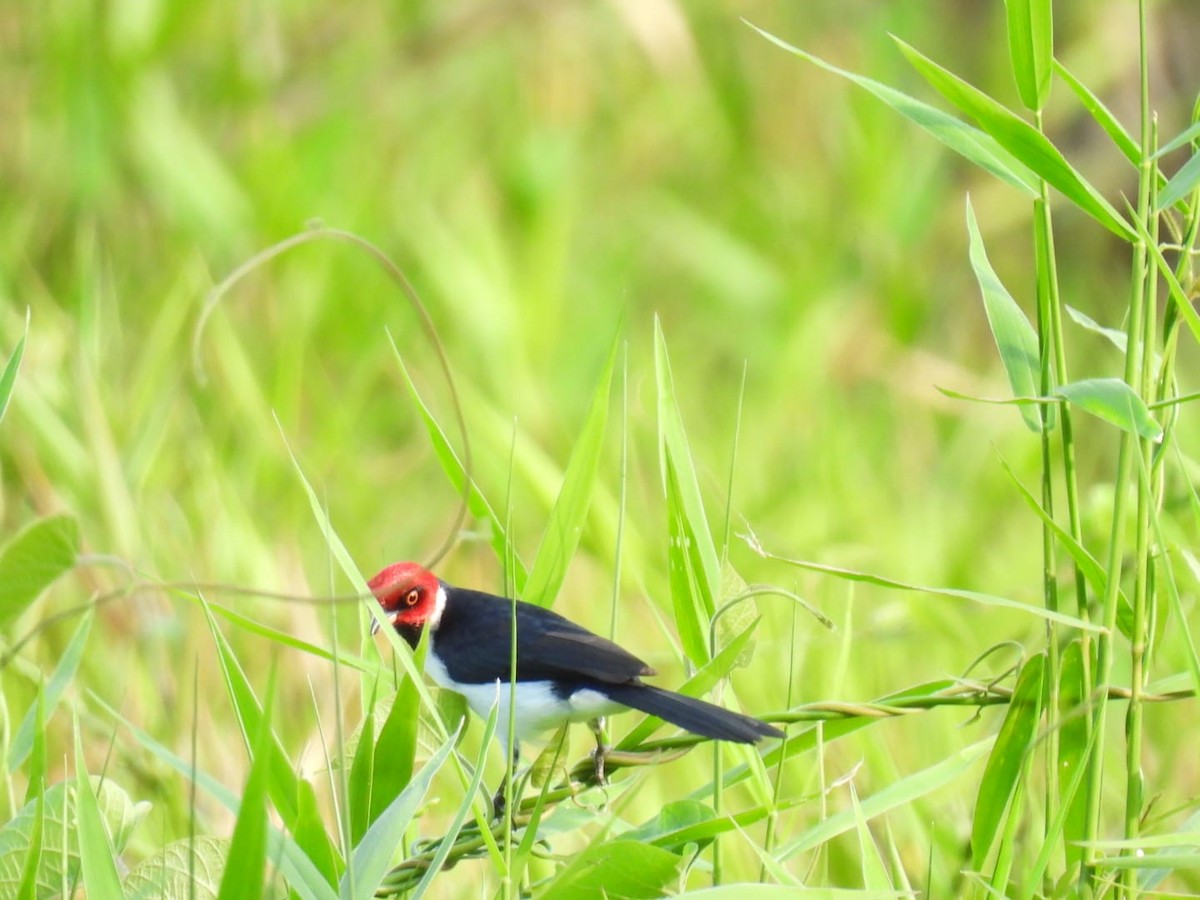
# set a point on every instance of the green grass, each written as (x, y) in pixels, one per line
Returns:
(713, 317)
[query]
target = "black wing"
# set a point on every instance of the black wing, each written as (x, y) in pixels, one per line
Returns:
(472, 641)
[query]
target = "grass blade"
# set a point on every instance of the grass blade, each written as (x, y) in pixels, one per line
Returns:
(31, 729)
(1031, 47)
(245, 864)
(1020, 139)
(1001, 777)
(98, 867)
(899, 793)
(1102, 114)
(396, 750)
(566, 521)
(373, 854)
(9, 378)
(969, 142)
(1181, 184)
(1015, 338)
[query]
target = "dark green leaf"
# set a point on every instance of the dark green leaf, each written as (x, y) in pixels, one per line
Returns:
(396, 749)
(1002, 777)
(33, 560)
(1114, 401)
(663, 829)
(1015, 338)
(362, 770)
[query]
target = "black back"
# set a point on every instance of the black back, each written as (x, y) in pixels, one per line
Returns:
(472, 641)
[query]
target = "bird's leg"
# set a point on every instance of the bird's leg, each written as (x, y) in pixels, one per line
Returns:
(602, 748)
(499, 801)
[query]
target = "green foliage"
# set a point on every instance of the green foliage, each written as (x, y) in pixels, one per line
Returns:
(33, 560)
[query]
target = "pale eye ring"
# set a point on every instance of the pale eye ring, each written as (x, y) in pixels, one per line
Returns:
(410, 599)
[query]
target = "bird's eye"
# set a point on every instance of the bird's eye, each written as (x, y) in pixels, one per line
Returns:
(410, 599)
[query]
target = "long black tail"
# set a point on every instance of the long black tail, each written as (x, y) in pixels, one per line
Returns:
(691, 714)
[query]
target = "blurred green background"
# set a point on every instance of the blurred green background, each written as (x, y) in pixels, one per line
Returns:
(551, 177)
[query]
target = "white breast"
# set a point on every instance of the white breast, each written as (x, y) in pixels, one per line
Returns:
(539, 707)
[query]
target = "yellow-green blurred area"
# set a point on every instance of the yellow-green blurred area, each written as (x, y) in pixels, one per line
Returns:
(551, 177)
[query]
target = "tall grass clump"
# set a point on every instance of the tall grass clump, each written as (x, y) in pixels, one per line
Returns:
(1044, 820)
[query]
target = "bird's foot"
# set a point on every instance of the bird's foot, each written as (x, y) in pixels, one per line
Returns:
(600, 754)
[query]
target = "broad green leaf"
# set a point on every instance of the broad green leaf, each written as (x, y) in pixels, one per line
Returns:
(119, 814)
(33, 560)
(186, 869)
(1001, 778)
(245, 864)
(96, 861)
(29, 730)
(1102, 114)
(9, 378)
(1022, 140)
(453, 468)
(1031, 47)
(297, 867)
(976, 146)
(1114, 401)
(902, 793)
(291, 795)
(372, 856)
(1182, 183)
(1014, 336)
(616, 870)
(566, 522)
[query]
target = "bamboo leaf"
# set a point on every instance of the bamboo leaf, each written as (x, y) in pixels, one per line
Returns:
(1001, 778)
(618, 869)
(966, 140)
(1014, 336)
(1020, 139)
(396, 750)
(1114, 401)
(1072, 748)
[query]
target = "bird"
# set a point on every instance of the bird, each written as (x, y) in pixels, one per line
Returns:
(564, 673)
